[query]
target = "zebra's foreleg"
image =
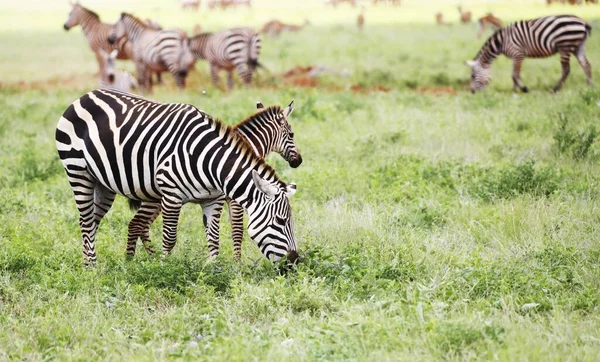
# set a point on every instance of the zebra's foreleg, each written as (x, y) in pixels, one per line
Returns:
(211, 216)
(566, 68)
(83, 188)
(245, 72)
(230, 79)
(214, 74)
(101, 65)
(236, 218)
(584, 62)
(516, 76)
(159, 78)
(170, 208)
(139, 227)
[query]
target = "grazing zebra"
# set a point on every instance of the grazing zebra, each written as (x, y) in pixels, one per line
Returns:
(112, 142)
(537, 38)
(266, 131)
(116, 79)
(234, 48)
(154, 50)
(97, 34)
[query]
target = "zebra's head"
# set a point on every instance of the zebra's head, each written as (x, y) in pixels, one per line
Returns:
(74, 16)
(283, 140)
(480, 75)
(270, 223)
(118, 30)
(110, 63)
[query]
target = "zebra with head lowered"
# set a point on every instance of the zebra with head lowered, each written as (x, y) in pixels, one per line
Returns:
(112, 142)
(231, 49)
(537, 38)
(266, 131)
(117, 79)
(154, 50)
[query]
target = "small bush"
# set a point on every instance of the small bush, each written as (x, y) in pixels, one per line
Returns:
(575, 144)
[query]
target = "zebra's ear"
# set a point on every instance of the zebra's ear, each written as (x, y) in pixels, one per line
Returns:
(259, 105)
(290, 189)
(113, 54)
(471, 63)
(288, 110)
(263, 185)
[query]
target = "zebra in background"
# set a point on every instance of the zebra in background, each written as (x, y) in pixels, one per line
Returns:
(112, 142)
(116, 79)
(97, 34)
(154, 50)
(537, 38)
(266, 131)
(234, 48)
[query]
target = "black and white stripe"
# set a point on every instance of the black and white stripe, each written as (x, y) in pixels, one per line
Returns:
(154, 50)
(231, 49)
(112, 142)
(266, 131)
(537, 38)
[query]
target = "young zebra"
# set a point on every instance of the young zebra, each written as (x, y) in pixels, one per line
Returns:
(266, 131)
(97, 34)
(234, 48)
(537, 38)
(112, 142)
(154, 50)
(116, 79)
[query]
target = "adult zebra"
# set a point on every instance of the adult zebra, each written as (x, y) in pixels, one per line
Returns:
(230, 49)
(266, 131)
(537, 38)
(154, 50)
(112, 142)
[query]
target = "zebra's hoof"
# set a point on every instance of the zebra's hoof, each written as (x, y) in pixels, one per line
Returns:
(525, 90)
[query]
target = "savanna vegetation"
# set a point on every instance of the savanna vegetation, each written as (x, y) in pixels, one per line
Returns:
(433, 223)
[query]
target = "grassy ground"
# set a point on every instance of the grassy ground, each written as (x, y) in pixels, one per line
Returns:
(433, 224)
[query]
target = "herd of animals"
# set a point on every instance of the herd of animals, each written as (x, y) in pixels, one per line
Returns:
(161, 156)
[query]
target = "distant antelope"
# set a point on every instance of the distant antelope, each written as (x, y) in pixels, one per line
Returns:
(228, 3)
(336, 2)
(275, 27)
(465, 17)
(488, 20)
(116, 79)
(393, 2)
(192, 4)
(439, 19)
(360, 20)
(197, 29)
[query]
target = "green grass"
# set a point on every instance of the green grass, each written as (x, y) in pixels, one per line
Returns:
(432, 225)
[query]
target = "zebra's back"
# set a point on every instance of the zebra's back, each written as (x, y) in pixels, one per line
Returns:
(235, 46)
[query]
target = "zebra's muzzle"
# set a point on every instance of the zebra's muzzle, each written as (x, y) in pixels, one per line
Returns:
(66, 26)
(295, 162)
(111, 78)
(111, 39)
(182, 73)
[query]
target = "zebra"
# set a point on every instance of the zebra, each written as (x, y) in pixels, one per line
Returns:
(234, 48)
(265, 131)
(537, 38)
(111, 142)
(154, 50)
(116, 79)
(97, 34)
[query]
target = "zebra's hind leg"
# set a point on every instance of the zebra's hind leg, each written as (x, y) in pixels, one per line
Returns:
(83, 188)
(170, 208)
(159, 80)
(103, 200)
(214, 74)
(211, 216)
(566, 68)
(230, 79)
(516, 76)
(139, 227)
(236, 218)
(584, 62)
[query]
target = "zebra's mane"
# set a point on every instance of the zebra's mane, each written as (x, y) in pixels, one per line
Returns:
(135, 19)
(487, 46)
(241, 144)
(272, 111)
(90, 12)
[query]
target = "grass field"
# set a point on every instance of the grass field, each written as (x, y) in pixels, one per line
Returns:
(434, 224)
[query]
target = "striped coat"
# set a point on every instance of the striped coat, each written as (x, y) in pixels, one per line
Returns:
(231, 49)
(112, 142)
(537, 38)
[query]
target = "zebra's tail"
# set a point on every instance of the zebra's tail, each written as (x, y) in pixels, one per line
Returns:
(135, 204)
(588, 29)
(254, 50)
(256, 64)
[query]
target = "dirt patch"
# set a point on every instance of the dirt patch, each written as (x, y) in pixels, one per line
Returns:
(437, 91)
(360, 89)
(304, 82)
(297, 71)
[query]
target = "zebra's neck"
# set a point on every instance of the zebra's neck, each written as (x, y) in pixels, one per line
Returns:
(89, 22)
(491, 49)
(198, 45)
(257, 132)
(133, 27)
